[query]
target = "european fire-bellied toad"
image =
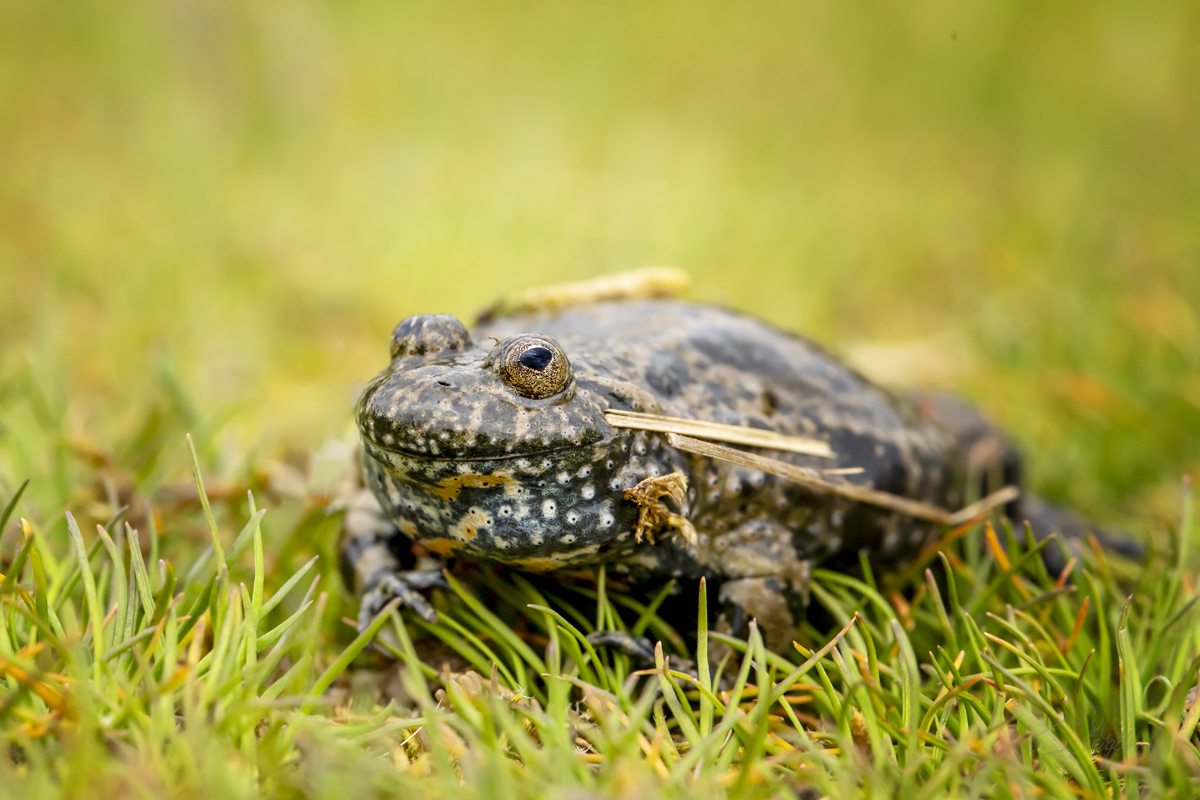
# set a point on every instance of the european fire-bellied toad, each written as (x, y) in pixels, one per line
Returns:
(492, 445)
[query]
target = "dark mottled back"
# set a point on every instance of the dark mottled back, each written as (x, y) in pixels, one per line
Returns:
(467, 466)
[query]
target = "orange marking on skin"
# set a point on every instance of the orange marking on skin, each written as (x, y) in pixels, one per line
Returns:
(470, 524)
(449, 488)
(443, 547)
(538, 564)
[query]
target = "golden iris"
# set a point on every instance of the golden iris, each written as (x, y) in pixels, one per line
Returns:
(533, 366)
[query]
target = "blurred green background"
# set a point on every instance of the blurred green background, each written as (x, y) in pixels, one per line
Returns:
(212, 213)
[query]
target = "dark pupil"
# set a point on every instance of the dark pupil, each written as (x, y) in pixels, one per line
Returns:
(536, 358)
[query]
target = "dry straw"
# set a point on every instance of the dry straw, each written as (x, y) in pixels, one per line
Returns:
(719, 432)
(687, 435)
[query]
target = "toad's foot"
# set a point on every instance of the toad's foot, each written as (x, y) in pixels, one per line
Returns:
(653, 514)
(406, 585)
(640, 649)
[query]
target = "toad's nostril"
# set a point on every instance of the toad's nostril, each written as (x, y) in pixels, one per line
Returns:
(443, 383)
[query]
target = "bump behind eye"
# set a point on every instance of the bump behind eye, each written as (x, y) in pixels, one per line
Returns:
(533, 366)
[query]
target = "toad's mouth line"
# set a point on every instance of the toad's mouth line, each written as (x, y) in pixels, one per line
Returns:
(430, 458)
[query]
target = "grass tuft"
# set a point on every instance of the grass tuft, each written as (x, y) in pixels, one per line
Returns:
(120, 676)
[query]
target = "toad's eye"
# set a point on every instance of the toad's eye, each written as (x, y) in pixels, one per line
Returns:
(533, 366)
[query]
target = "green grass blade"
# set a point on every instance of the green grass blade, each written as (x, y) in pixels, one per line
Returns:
(208, 515)
(11, 505)
(95, 612)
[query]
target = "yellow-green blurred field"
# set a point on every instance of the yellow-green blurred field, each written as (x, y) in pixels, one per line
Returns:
(253, 194)
(212, 214)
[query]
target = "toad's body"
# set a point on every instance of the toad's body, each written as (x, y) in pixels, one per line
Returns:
(473, 460)
(467, 467)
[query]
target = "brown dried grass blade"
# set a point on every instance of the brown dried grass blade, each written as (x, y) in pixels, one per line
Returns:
(814, 480)
(981, 507)
(717, 431)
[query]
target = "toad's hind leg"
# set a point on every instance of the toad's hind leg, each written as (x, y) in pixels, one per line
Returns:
(989, 458)
(992, 461)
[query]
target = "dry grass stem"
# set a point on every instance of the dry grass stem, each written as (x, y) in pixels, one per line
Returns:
(814, 480)
(716, 431)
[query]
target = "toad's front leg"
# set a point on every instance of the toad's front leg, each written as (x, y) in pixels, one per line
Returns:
(765, 580)
(377, 563)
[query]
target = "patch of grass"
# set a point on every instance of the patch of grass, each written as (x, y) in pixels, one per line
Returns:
(242, 203)
(975, 673)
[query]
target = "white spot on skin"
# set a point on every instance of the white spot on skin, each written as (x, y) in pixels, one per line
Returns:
(588, 492)
(606, 521)
(572, 518)
(536, 538)
(504, 511)
(584, 472)
(563, 477)
(549, 509)
(570, 537)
